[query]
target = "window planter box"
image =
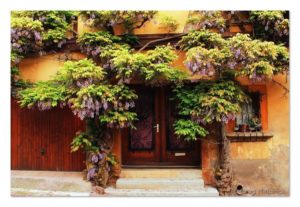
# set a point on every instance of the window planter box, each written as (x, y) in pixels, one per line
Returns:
(249, 136)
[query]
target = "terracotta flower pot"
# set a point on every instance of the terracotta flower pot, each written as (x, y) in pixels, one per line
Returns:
(244, 128)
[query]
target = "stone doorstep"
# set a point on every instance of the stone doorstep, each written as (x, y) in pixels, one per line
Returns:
(205, 192)
(160, 184)
(162, 173)
(21, 192)
(183, 182)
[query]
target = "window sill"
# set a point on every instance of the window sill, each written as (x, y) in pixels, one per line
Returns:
(249, 136)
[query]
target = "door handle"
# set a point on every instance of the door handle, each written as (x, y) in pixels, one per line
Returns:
(156, 127)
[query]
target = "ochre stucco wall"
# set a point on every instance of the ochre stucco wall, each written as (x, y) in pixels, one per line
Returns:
(43, 68)
(262, 168)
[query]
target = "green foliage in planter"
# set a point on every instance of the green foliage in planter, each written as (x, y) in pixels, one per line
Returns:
(43, 95)
(206, 102)
(189, 130)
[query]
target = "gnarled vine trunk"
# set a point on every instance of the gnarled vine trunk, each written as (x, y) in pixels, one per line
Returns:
(224, 172)
(98, 169)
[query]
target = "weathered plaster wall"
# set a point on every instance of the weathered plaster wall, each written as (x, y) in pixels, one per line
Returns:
(262, 168)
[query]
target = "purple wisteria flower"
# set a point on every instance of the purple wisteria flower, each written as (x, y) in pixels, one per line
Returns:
(91, 174)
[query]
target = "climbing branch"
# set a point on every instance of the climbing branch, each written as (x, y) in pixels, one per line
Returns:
(160, 40)
(282, 86)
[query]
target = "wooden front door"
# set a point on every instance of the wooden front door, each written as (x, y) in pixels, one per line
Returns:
(153, 142)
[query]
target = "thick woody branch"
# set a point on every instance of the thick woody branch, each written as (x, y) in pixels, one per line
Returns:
(160, 40)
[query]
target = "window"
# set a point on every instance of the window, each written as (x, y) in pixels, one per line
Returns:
(249, 119)
(254, 116)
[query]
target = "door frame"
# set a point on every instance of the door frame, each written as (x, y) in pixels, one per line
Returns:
(159, 155)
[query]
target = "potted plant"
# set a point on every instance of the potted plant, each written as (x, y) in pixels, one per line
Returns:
(243, 127)
(254, 124)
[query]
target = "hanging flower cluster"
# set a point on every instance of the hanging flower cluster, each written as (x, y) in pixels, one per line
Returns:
(204, 61)
(107, 19)
(271, 25)
(282, 27)
(203, 38)
(259, 60)
(206, 19)
(105, 101)
(88, 95)
(80, 74)
(94, 43)
(43, 95)
(256, 59)
(53, 27)
(25, 35)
